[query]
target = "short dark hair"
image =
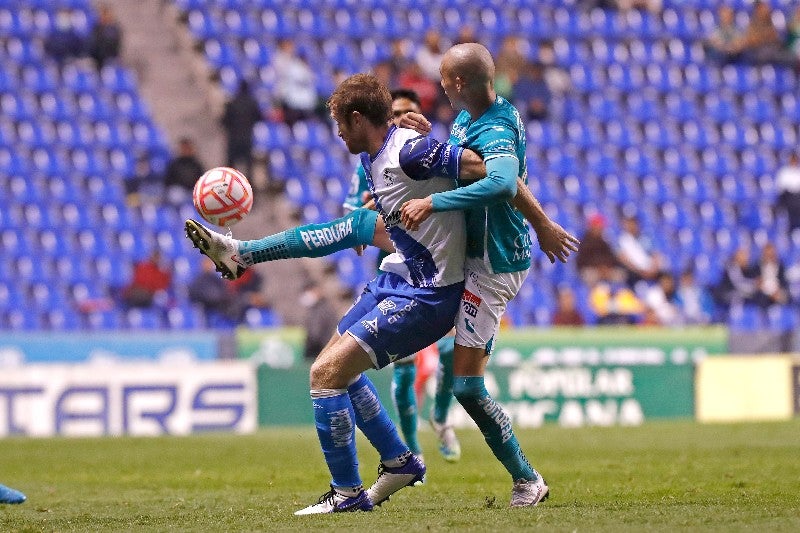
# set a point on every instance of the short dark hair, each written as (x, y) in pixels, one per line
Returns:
(408, 94)
(363, 93)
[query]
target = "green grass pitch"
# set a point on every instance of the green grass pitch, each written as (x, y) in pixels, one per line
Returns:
(663, 476)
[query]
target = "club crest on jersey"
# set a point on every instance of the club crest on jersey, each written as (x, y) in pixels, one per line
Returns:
(388, 176)
(386, 305)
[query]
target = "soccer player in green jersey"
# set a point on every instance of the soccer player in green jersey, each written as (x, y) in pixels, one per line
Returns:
(498, 245)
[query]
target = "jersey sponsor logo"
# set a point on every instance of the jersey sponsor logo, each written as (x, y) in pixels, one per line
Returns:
(326, 236)
(371, 326)
(522, 246)
(495, 412)
(498, 128)
(402, 312)
(471, 298)
(459, 132)
(447, 154)
(386, 305)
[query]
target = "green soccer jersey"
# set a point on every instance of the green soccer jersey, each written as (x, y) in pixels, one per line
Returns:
(358, 186)
(497, 232)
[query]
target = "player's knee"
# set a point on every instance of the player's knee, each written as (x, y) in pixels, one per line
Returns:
(323, 374)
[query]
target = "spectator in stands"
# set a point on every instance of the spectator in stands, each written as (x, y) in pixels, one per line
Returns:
(724, 42)
(466, 35)
(557, 77)
(215, 295)
(793, 34)
(429, 55)
(182, 173)
(106, 38)
(660, 300)
(566, 313)
(399, 58)
(509, 67)
(241, 114)
(64, 42)
(613, 302)
(739, 283)
(531, 92)
(761, 42)
(320, 320)
(295, 84)
(595, 252)
(428, 92)
(145, 185)
(636, 253)
(773, 287)
(693, 301)
(150, 284)
(788, 188)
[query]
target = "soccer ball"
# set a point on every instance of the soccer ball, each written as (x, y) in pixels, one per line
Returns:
(223, 196)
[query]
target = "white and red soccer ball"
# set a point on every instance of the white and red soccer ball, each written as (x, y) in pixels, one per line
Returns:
(223, 196)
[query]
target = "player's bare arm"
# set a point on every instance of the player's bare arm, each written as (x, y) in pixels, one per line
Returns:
(554, 240)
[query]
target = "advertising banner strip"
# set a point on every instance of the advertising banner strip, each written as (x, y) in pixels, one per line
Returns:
(89, 400)
(532, 396)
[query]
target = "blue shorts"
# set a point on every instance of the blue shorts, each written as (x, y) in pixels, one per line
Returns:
(393, 319)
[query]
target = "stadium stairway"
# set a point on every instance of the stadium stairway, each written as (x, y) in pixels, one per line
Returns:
(176, 83)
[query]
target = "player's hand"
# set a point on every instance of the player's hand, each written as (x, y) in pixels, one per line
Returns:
(369, 204)
(555, 241)
(416, 122)
(360, 249)
(416, 211)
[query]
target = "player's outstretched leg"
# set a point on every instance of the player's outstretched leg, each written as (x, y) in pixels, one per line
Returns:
(9, 495)
(399, 467)
(335, 421)
(449, 446)
(405, 403)
(529, 487)
(232, 256)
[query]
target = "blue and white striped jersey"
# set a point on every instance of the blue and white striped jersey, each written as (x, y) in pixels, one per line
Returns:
(412, 166)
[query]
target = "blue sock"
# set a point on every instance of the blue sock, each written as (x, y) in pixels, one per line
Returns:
(312, 240)
(405, 401)
(444, 379)
(335, 421)
(495, 425)
(373, 420)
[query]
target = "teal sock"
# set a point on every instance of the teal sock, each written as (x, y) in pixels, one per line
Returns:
(312, 240)
(406, 404)
(495, 425)
(444, 379)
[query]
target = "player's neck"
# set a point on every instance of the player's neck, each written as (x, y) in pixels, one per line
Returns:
(376, 137)
(480, 103)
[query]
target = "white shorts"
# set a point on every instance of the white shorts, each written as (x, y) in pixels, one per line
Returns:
(485, 298)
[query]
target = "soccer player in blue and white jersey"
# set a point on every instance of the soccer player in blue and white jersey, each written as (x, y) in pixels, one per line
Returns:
(410, 305)
(404, 372)
(498, 245)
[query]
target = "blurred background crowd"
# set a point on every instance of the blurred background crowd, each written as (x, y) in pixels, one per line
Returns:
(663, 133)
